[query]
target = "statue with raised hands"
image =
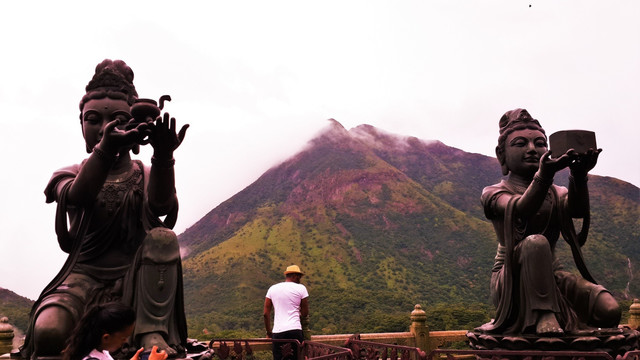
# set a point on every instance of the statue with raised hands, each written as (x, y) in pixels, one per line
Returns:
(114, 218)
(530, 290)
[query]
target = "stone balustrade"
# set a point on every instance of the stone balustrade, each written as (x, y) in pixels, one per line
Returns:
(418, 335)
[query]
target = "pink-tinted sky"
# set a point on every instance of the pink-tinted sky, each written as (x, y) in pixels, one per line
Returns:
(257, 79)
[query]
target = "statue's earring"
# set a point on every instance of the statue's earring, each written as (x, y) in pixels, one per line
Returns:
(505, 169)
(136, 149)
(86, 146)
(501, 160)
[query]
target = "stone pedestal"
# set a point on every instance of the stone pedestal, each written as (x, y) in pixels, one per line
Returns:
(615, 341)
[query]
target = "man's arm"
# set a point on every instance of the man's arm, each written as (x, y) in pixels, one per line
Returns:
(268, 305)
(304, 318)
(304, 307)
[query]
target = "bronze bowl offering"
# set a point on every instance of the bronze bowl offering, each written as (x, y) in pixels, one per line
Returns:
(579, 140)
(144, 109)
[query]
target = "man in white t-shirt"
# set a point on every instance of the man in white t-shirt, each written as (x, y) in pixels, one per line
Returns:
(289, 300)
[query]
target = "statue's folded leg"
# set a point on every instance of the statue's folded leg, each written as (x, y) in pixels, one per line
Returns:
(536, 273)
(52, 329)
(606, 312)
(155, 290)
(58, 313)
(538, 293)
(594, 304)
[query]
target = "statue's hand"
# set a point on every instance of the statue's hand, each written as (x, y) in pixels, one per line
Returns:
(164, 138)
(584, 163)
(116, 137)
(550, 166)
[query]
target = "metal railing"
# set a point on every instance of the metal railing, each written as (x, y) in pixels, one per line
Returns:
(370, 350)
(356, 349)
(243, 349)
(629, 355)
(318, 351)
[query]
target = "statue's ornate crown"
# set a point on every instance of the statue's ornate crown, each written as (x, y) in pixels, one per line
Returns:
(513, 118)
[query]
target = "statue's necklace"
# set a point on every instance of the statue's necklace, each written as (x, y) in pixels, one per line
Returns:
(114, 191)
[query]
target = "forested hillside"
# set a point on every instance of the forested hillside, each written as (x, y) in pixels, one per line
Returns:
(15, 307)
(379, 222)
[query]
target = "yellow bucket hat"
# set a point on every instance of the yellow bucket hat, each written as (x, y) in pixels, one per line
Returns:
(293, 269)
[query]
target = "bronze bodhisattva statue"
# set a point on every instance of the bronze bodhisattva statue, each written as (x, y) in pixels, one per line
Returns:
(108, 220)
(532, 294)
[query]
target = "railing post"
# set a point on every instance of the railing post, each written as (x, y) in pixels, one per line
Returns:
(634, 314)
(419, 328)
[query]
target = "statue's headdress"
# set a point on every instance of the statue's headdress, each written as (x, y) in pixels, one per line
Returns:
(516, 120)
(113, 79)
(511, 121)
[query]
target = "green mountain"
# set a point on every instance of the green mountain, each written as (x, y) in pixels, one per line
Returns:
(15, 307)
(378, 222)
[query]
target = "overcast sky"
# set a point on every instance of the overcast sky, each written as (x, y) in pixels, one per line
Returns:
(257, 79)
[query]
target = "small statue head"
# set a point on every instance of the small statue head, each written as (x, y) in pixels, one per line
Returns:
(113, 79)
(513, 120)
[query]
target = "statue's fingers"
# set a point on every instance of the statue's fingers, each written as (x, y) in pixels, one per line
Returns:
(596, 155)
(111, 125)
(182, 133)
(143, 127)
(572, 152)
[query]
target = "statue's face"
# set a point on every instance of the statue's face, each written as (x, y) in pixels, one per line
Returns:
(523, 150)
(97, 113)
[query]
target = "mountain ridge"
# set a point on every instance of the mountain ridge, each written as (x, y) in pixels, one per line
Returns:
(378, 222)
(373, 214)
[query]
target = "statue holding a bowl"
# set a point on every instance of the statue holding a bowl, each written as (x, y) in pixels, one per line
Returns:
(531, 291)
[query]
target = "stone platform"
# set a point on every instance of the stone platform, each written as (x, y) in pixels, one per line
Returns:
(614, 341)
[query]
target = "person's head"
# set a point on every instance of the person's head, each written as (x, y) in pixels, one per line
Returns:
(109, 96)
(521, 143)
(104, 327)
(293, 273)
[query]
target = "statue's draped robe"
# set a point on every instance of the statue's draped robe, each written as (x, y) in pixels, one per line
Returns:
(524, 281)
(115, 279)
